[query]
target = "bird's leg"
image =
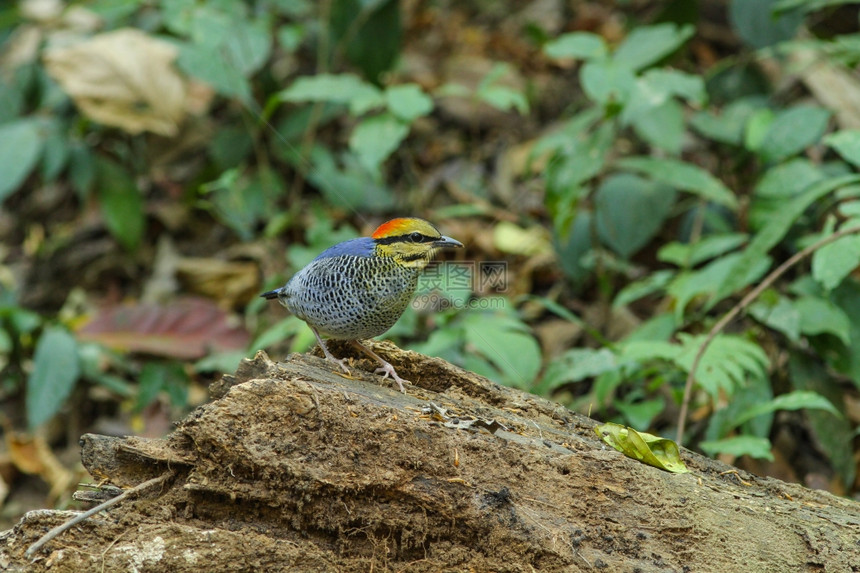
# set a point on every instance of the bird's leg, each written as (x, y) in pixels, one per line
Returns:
(386, 368)
(328, 355)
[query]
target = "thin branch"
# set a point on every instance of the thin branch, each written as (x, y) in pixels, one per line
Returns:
(735, 310)
(89, 513)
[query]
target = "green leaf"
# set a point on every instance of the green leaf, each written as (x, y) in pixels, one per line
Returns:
(832, 263)
(576, 364)
(820, 316)
(121, 203)
(775, 229)
(846, 360)
(757, 127)
(279, 331)
(648, 350)
(630, 210)
(779, 314)
(797, 400)
(55, 372)
(640, 414)
(346, 89)
(833, 434)
(11, 101)
(788, 179)
(739, 446)
(758, 26)
(505, 341)
(157, 377)
(351, 186)
(499, 95)
(793, 131)
(290, 37)
(654, 282)
(20, 148)
(82, 170)
(370, 32)
(229, 36)
(55, 152)
(647, 45)
(723, 419)
(579, 157)
(847, 144)
(199, 61)
(729, 125)
(375, 138)
(671, 82)
(690, 255)
(682, 176)
(704, 282)
(573, 245)
(408, 102)
(607, 82)
(655, 89)
(504, 98)
(659, 328)
(659, 452)
(577, 45)
(807, 6)
(569, 133)
(220, 362)
(726, 364)
(662, 126)
(246, 45)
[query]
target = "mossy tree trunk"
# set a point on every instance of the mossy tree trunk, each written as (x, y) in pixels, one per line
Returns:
(293, 467)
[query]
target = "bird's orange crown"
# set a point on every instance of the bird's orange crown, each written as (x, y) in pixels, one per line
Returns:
(399, 226)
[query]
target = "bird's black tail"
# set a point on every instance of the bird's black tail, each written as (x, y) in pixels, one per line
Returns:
(271, 295)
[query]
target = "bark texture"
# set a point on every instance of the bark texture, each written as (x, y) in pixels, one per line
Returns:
(293, 467)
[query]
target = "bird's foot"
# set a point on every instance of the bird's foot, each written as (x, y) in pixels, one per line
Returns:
(340, 363)
(330, 357)
(387, 369)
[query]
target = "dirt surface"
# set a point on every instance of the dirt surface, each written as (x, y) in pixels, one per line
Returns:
(293, 467)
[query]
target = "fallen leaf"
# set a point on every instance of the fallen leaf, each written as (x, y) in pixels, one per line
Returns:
(516, 240)
(835, 86)
(187, 329)
(647, 448)
(230, 282)
(124, 78)
(31, 454)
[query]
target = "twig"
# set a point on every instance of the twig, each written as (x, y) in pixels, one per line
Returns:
(79, 518)
(735, 310)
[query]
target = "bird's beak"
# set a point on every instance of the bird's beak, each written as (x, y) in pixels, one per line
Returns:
(443, 242)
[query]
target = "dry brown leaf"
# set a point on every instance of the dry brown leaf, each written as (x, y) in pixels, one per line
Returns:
(185, 329)
(229, 282)
(32, 455)
(516, 240)
(836, 87)
(123, 78)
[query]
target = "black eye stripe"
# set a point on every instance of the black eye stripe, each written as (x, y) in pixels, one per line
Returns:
(407, 238)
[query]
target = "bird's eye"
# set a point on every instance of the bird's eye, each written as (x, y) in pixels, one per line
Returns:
(416, 237)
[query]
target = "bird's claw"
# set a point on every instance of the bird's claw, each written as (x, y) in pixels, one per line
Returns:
(340, 363)
(387, 369)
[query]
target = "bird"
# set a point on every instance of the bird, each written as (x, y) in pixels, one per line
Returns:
(357, 289)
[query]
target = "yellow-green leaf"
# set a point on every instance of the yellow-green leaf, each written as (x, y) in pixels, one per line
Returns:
(647, 448)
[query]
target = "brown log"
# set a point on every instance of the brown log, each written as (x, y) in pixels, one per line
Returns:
(294, 467)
